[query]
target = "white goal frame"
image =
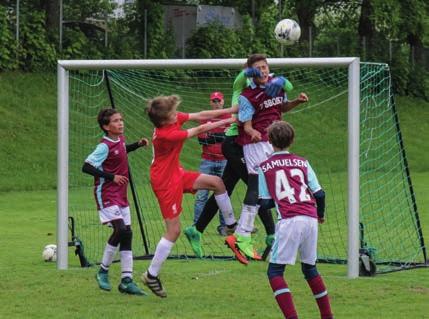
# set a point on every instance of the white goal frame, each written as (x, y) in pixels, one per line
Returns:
(352, 63)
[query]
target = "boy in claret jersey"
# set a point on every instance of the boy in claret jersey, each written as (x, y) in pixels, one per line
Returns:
(290, 181)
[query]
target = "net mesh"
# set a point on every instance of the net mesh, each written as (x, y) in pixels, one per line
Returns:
(389, 225)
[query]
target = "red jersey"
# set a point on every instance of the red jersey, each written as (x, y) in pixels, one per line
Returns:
(167, 144)
(111, 157)
(267, 110)
(213, 152)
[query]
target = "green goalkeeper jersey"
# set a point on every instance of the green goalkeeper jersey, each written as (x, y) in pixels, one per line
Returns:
(241, 82)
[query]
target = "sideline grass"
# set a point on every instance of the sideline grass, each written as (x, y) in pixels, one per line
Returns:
(31, 288)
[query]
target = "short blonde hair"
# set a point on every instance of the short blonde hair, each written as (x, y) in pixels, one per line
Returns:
(160, 108)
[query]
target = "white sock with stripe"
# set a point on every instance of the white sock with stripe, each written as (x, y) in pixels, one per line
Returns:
(162, 252)
(247, 220)
(224, 203)
(108, 255)
(126, 263)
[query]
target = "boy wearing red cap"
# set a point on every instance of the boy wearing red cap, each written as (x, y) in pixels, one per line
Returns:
(212, 160)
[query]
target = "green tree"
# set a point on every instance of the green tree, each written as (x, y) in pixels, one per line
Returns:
(160, 39)
(214, 41)
(8, 59)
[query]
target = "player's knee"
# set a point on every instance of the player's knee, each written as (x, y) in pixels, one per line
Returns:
(275, 270)
(126, 236)
(218, 185)
(309, 271)
(173, 233)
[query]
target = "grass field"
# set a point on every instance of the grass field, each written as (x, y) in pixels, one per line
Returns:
(31, 288)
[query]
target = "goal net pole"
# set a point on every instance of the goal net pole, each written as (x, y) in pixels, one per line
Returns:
(353, 132)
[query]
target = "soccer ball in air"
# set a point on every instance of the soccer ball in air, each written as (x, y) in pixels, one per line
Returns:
(50, 253)
(287, 31)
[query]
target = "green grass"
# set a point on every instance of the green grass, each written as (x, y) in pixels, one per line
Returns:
(31, 288)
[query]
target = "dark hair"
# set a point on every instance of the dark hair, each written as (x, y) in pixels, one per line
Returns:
(104, 116)
(281, 134)
(159, 108)
(255, 58)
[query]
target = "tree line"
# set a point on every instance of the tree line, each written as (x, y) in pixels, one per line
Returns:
(391, 31)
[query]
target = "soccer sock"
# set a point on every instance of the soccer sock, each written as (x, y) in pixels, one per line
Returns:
(109, 253)
(247, 220)
(209, 211)
(321, 294)
(161, 253)
(126, 263)
(283, 297)
(224, 203)
(267, 220)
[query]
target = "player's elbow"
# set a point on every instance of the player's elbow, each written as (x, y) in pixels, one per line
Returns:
(319, 196)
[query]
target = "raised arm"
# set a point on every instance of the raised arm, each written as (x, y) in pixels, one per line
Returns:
(207, 115)
(208, 126)
(133, 146)
(289, 105)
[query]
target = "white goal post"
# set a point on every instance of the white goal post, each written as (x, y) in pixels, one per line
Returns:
(352, 63)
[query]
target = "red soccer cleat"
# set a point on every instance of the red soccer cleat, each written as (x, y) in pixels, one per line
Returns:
(231, 241)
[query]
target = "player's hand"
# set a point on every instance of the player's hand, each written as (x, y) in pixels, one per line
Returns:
(233, 109)
(302, 98)
(252, 73)
(321, 220)
(143, 142)
(273, 87)
(120, 180)
(230, 120)
(255, 136)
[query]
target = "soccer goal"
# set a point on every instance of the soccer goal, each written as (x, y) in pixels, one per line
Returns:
(349, 131)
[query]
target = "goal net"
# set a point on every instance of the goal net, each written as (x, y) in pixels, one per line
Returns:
(386, 226)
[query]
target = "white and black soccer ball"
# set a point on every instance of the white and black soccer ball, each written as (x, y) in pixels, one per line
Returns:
(287, 31)
(50, 253)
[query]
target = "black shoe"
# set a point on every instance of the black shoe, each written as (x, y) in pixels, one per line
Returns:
(154, 284)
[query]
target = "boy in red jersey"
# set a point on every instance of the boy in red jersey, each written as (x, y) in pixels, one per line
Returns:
(260, 104)
(290, 181)
(169, 180)
(108, 163)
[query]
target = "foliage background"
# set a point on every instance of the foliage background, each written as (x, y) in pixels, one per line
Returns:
(392, 31)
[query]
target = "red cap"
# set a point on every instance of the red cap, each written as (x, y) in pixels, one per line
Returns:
(216, 95)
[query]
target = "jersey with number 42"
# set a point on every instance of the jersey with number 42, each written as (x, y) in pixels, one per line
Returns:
(290, 181)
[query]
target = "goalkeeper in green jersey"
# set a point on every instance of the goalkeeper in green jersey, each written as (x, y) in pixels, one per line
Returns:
(235, 170)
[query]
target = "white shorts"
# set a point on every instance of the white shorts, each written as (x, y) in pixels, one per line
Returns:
(115, 212)
(294, 234)
(255, 154)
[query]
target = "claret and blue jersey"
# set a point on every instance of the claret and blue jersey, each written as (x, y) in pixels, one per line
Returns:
(290, 181)
(110, 156)
(262, 109)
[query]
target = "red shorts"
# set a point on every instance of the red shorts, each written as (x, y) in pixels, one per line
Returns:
(170, 200)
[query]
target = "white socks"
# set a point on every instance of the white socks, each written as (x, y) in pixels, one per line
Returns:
(161, 253)
(224, 203)
(126, 263)
(247, 220)
(108, 255)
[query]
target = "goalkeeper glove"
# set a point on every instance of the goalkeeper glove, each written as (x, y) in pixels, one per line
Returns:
(252, 73)
(273, 87)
